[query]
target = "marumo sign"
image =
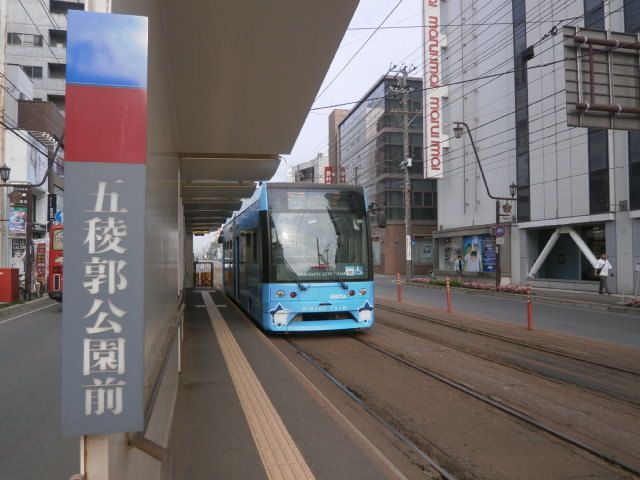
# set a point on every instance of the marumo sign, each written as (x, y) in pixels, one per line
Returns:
(432, 99)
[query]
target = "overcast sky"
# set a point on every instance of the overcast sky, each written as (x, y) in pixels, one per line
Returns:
(386, 47)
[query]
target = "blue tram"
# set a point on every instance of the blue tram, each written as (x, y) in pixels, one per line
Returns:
(297, 258)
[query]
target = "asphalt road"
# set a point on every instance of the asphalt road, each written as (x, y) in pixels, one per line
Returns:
(31, 446)
(616, 328)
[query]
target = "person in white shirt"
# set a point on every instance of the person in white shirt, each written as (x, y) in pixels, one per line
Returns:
(603, 270)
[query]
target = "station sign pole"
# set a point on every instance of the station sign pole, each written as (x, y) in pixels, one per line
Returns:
(105, 172)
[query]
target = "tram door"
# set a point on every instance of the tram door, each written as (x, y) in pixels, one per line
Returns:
(236, 267)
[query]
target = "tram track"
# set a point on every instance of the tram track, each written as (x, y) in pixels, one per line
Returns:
(442, 471)
(499, 405)
(604, 393)
(492, 335)
(599, 378)
(502, 406)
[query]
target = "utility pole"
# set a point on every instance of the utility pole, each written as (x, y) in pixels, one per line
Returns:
(404, 90)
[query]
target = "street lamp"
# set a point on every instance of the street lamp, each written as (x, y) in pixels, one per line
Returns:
(513, 189)
(4, 173)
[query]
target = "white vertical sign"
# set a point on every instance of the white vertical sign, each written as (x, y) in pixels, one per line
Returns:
(432, 99)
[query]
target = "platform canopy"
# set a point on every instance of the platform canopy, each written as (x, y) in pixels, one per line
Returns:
(243, 75)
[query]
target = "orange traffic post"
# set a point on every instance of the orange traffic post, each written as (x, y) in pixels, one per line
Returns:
(398, 288)
(449, 307)
(529, 310)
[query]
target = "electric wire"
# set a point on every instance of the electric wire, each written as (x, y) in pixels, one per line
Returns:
(357, 52)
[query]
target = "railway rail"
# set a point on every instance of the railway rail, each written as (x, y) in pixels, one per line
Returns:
(504, 407)
(429, 460)
(607, 380)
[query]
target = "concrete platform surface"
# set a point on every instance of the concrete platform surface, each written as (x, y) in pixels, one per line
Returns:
(211, 437)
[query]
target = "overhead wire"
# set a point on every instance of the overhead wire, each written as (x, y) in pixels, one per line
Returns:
(357, 52)
(46, 42)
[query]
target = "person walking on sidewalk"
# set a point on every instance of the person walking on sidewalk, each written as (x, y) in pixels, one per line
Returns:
(459, 265)
(603, 270)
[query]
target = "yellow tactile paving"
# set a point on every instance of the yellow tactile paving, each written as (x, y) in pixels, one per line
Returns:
(280, 456)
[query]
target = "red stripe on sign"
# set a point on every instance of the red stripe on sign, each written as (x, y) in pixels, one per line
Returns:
(105, 124)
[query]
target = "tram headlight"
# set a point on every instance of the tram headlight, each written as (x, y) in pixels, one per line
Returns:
(365, 316)
(281, 318)
(280, 293)
(363, 291)
(365, 313)
(293, 294)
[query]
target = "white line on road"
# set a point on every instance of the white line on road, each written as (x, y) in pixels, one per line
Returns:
(25, 314)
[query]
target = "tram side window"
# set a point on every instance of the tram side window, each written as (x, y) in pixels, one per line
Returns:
(255, 247)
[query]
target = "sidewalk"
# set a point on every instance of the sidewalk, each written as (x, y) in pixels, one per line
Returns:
(8, 309)
(589, 300)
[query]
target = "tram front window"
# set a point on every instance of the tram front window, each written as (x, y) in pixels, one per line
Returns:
(318, 235)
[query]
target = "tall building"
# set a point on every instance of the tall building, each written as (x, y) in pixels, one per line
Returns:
(37, 42)
(312, 171)
(370, 153)
(579, 187)
(26, 154)
(335, 119)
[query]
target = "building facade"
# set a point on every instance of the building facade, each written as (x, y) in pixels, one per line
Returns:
(312, 171)
(335, 119)
(370, 152)
(578, 187)
(27, 158)
(37, 42)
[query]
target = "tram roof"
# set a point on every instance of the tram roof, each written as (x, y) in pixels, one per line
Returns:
(240, 78)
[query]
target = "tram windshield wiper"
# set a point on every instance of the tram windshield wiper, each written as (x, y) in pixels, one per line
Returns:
(321, 257)
(292, 272)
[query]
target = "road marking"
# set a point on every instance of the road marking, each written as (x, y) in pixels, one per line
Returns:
(25, 314)
(278, 452)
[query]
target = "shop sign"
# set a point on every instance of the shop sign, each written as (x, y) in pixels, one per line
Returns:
(18, 219)
(40, 260)
(52, 207)
(479, 253)
(18, 250)
(433, 93)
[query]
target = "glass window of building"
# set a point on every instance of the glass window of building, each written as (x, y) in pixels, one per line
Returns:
(594, 237)
(32, 72)
(448, 251)
(598, 170)
(14, 38)
(422, 251)
(632, 16)
(594, 14)
(634, 170)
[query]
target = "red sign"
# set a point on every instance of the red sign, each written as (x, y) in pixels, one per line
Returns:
(328, 175)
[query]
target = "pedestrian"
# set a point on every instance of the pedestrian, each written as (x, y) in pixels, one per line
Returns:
(603, 270)
(458, 267)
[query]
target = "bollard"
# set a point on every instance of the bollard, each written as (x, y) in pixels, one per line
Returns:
(449, 307)
(529, 310)
(398, 288)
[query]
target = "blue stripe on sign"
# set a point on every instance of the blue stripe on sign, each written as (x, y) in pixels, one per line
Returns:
(107, 49)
